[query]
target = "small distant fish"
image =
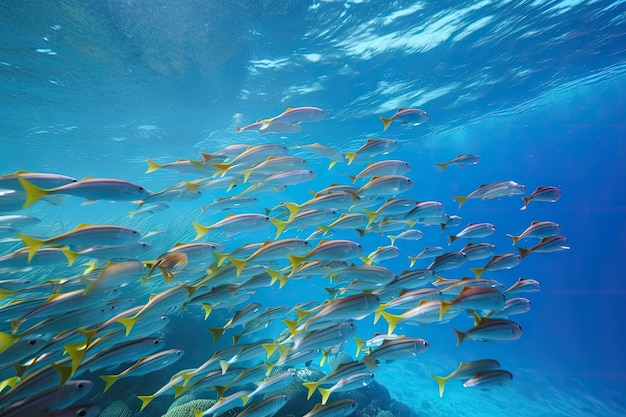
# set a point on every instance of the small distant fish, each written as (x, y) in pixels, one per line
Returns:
(324, 152)
(382, 168)
(410, 234)
(451, 221)
(428, 252)
(460, 160)
(486, 379)
(338, 408)
(523, 285)
(547, 194)
(235, 223)
(387, 185)
(538, 230)
(546, 245)
(492, 191)
(296, 115)
(447, 261)
(347, 384)
(475, 251)
(408, 117)
(399, 348)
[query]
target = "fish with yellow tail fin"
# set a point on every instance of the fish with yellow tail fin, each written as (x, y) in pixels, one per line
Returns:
(371, 148)
(492, 191)
(223, 404)
(498, 262)
(84, 235)
(323, 151)
(235, 223)
(490, 330)
(546, 194)
(93, 189)
(168, 264)
(466, 370)
(349, 383)
(406, 116)
(338, 408)
(145, 365)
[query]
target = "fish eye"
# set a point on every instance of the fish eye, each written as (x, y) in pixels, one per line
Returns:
(81, 413)
(156, 341)
(80, 385)
(143, 245)
(32, 342)
(140, 188)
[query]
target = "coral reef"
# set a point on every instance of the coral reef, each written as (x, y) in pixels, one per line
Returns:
(186, 409)
(117, 409)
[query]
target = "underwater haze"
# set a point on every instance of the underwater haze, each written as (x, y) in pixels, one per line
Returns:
(220, 124)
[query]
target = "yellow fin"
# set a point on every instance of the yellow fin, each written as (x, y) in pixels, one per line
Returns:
(109, 380)
(441, 380)
(386, 122)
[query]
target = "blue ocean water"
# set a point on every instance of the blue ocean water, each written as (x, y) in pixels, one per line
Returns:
(92, 89)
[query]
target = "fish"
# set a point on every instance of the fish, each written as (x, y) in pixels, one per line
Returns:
(487, 379)
(371, 148)
(523, 285)
(409, 234)
(490, 330)
(186, 166)
(387, 185)
(296, 115)
(347, 384)
(92, 189)
(40, 179)
(545, 194)
(399, 348)
(323, 151)
(499, 262)
(475, 298)
(222, 405)
(265, 408)
(84, 235)
(270, 384)
(537, 229)
(466, 370)
(460, 160)
(407, 300)
(381, 253)
(474, 230)
(383, 168)
(275, 127)
(274, 165)
(427, 252)
(55, 397)
(235, 223)
(89, 410)
(338, 408)
(546, 245)
(229, 203)
(476, 251)
(492, 191)
(18, 221)
(406, 116)
(252, 155)
(447, 261)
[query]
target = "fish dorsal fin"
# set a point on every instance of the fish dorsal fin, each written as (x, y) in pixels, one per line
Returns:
(534, 222)
(402, 109)
(80, 226)
(465, 290)
(483, 185)
(288, 109)
(421, 302)
(229, 215)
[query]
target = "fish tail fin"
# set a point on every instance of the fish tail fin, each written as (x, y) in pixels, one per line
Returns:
(152, 166)
(145, 400)
(392, 320)
(311, 386)
(295, 261)
(33, 192)
(460, 198)
(378, 312)
(293, 209)
(442, 165)
(359, 345)
(270, 348)
(180, 390)
(386, 122)
(245, 399)
(324, 229)
(325, 394)
(444, 307)
(217, 332)
(207, 309)
(221, 257)
(523, 252)
(109, 380)
(5, 293)
(65, 372)
(291, 326)
(200, 229)
(89, 334)
(460, 336)
(128, 323)
(350, 156)
(443, 227)
(280, 226)
(221, 169)
(478, 271)
(76, 351)
(413, 259)
(224, 366)
(70, 255)
(9, 382)
(441, 381)
(239, 264)
(32, 243)
(452, 239)
(6, 341)
(366, 260)
(371, 216)
(269, 367)
(246, 174)
(515, 239)
(332, 164)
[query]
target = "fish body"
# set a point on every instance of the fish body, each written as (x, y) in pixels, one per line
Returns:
(538, 230)
(18, 221)
(265, 408)
(467, 370)
(338, 408)
(475, 251)
(476, 298)
(387, 185)
(44, 180)
(447, 261)
(523, 285)
(488, 379)
(491, 330)
(546, 245)
(426, 253)
(296, 115)
(235, 223)
(399, 348)
(383, 168)
(492, 191)
(474, 230)
(499, 262)
(461, 160)
(349, 383)
(406, 116)
(275, 127)
(371, 148)
(545, 194)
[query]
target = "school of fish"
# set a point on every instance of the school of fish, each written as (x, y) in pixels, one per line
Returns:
(124, 282)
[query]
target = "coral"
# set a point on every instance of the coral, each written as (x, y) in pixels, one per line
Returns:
(185, 398)
(385, 413)
(117, 409)
(186, 409)
(400, 409)
(336, 359)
